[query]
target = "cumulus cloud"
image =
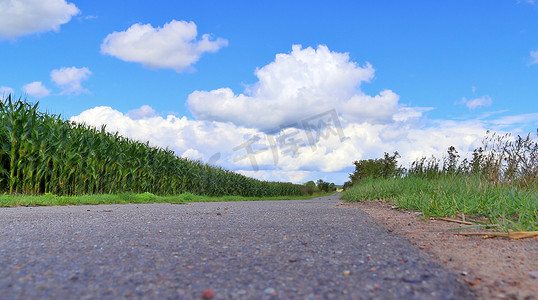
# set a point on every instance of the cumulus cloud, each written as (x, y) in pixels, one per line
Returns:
(472, 104)
(191, 138)
(172, 46)
(302, 83)
(144, 112)
(288, 155)
(5, 90)
(534, 57)
(282, 176)
(36, 89)
(69, 79)
(304, 119)
(22, 17)
(226, 144)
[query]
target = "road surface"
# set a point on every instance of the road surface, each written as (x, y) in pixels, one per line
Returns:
(300, 249)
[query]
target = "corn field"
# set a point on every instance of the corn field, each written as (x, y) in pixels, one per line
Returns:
(41, 153)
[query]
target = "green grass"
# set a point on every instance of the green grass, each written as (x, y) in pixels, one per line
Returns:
(509, 205)
(125, 198)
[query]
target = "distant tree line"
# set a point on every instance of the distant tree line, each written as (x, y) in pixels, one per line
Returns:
(311, 187)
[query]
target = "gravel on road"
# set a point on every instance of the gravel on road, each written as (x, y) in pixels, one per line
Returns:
(298, 249)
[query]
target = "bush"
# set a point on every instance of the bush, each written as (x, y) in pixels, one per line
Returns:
(308, 188)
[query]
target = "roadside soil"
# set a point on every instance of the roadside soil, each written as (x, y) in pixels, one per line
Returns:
(496, 268)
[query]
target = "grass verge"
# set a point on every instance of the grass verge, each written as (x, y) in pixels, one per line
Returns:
(509, 206)
(126, 198)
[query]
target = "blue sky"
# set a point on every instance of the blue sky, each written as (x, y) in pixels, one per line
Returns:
(412, 76)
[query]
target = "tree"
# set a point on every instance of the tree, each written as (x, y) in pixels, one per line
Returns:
(323, 186)
(347, 185)
(332, 187)
(386, 167)
(309, 187)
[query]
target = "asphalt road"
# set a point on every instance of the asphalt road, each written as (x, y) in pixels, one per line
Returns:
(301, 249)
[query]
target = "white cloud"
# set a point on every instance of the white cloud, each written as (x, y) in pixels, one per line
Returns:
(300, 84)
(281, 176)
(5, 90)
(203, 140)
(21, 17)
(144, 112)
(180, 134)
(509, 121)
(69, 79)
(472, 104)
(534, 57)
(172, 46)
(223, 142)
(296, 87)
(36, 89)
(90, 17)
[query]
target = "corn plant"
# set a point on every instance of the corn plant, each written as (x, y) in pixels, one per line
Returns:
(42, 153)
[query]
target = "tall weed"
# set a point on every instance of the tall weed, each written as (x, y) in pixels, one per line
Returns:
(497, 184)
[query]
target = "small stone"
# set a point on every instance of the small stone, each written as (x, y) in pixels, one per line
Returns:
(464, 273)
(512, 296)
(500, 283)
(270, 291)
(346, 273)
(208, 294)
(533, 274)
